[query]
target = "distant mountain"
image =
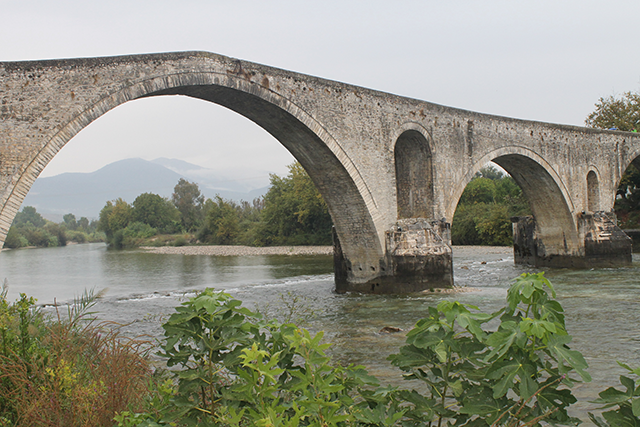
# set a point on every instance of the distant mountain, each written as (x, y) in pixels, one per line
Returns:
(85, 194)
(215, 180)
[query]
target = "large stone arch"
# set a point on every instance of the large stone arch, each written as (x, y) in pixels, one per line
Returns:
(547, 195)
(351, 205)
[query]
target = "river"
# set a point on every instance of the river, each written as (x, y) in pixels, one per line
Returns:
(142, 288)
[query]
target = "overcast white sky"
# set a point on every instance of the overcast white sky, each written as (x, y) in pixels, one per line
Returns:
(547, 60)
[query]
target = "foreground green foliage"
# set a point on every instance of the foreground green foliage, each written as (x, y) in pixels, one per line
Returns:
(520, 374)
(230, 367)
(483, 215)
(29, 228)
(626, 403)
(237, 369)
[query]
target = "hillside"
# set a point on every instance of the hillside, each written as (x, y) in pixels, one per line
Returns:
(85, 194)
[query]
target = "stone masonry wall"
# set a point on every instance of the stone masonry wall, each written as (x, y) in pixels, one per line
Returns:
(344, 135)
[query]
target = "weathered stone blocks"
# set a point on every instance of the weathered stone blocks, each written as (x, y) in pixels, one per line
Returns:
(418, 257)
(604, 243)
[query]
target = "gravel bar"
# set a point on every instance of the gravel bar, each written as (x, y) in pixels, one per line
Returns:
(220, 250)
(240, 250)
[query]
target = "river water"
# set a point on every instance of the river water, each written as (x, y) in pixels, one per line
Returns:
(602, 305)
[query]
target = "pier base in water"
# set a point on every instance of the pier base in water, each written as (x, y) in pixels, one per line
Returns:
(418, 258)
(604, 243)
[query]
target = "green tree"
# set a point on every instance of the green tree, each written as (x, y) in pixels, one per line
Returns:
(483, 215)
(157, 212)
(294, 211)
(490, 172)
(114, 217)
(479, 190)
(29, 215)
(15, 239)
(70, 221)
(189, 201)
(58, 233)
(222, 222)
(29, 228)
(83, 224)
(620, 113)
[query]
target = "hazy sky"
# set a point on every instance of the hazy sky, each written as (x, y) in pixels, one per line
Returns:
(547, 60)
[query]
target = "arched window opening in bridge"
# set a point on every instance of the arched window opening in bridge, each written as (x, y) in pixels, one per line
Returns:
(484, 211)
(593, 192)
(414, 179)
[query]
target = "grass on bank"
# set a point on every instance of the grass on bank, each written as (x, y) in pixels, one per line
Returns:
(66, 370)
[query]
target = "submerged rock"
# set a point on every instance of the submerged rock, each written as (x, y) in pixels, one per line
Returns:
(390, 330)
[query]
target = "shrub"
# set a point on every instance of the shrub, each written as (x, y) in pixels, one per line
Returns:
(68, 371)
(14, 239)
(520, 374)
(180, 241)
(77, 236)
(139, 230)
(240, 370)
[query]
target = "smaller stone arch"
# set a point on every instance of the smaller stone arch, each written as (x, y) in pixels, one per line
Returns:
(593, 192)
(414, 175)
(550, 202)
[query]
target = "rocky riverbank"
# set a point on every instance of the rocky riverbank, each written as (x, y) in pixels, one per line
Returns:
(294, 250)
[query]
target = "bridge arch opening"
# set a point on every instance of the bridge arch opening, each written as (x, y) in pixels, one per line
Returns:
(351, 207)
(554, 220)
(303, 139)
(555, 225)
(593, 192)
(486, 206)
(414, 176)
(626, 202)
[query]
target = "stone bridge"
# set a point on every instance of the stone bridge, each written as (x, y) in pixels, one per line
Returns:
(390, 168)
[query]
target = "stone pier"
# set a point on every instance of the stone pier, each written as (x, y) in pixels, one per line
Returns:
(604, 243)
(418, 258)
